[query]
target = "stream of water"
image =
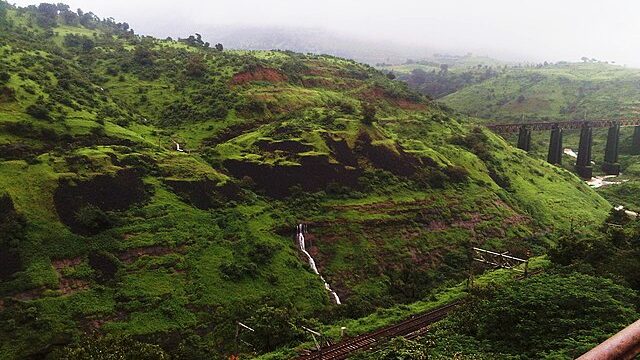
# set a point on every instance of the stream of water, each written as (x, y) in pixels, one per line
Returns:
(300, 230)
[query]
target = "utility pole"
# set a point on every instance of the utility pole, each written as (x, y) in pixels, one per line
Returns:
(314, 334)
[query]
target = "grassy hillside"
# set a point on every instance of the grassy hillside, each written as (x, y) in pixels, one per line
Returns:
(560, 91)
(115, 233)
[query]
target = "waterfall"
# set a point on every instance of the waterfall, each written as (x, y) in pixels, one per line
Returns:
(300, 230)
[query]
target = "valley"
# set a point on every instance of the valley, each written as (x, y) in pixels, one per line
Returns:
(156, 193)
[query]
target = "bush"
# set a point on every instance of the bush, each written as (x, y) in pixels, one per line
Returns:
(547, 314)
(108, 348)
(93, 219)
(4, 77)
(368, 113)
(39, 111)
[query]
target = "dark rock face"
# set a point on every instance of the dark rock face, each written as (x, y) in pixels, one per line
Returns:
(314, 173)
(341, 151)
(203, 194)
(106, 192)
(397, 162)
(105, 264)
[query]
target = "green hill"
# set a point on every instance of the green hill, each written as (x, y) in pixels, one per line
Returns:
(562, 91)
(113, 232)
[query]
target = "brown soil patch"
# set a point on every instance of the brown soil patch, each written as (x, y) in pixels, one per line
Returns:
(259, 74)
(65, 263)
(70, 286)
(378, 93)
(409, 105)
(29, 294)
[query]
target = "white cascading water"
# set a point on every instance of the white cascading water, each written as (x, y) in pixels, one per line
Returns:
(300, 229)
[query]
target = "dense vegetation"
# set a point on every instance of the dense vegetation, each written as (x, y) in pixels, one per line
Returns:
(589, 292)
(117, 242)
(437, 80)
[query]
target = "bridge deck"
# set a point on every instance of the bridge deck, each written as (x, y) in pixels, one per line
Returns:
(573, 124)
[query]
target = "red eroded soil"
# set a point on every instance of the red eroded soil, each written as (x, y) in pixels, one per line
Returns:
(259, 74)
(377, 93)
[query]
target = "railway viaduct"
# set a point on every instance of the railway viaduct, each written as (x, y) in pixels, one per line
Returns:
(583, 163)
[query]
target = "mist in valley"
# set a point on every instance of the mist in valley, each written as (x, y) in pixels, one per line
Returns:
(382, 31)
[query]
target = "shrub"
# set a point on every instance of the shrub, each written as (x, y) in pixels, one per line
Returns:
(38, 111)
(368, 113)
(93, 219)
(109, 348)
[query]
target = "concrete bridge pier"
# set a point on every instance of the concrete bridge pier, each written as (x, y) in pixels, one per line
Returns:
(610, 165)
(635, 143)
(524, 138)
(555, 146)
(583, 163)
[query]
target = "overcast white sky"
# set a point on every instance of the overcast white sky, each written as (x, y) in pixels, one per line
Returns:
(511, 29)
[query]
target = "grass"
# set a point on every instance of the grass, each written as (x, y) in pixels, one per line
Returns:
(389, 240)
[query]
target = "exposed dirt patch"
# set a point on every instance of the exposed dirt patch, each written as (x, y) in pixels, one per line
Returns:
(203, 194)
(66, 263)
(469, 224)
(409, 105)
(377, 93)
(130, 255)
(94, 323)
(259, 74)
(437, 225)
(70, 286)
(29, 294)
(106, 192)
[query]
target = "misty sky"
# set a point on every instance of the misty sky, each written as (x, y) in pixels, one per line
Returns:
(508, 29)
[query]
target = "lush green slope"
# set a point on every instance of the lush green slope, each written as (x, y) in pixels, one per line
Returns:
(560, 91)
(114, 232)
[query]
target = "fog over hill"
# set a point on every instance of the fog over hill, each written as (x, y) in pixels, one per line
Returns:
(523, 32)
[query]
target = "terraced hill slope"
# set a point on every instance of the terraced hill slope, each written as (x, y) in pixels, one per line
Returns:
(109, 230)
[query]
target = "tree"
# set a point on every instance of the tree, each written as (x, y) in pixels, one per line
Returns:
(219, 47)
(444, 68)
(196, 66)
(3, 12)
(46, 15)
(38, 111)
(273, 327)
(142, 55)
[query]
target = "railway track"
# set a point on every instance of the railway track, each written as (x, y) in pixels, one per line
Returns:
(405, 328)
(409, 328)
